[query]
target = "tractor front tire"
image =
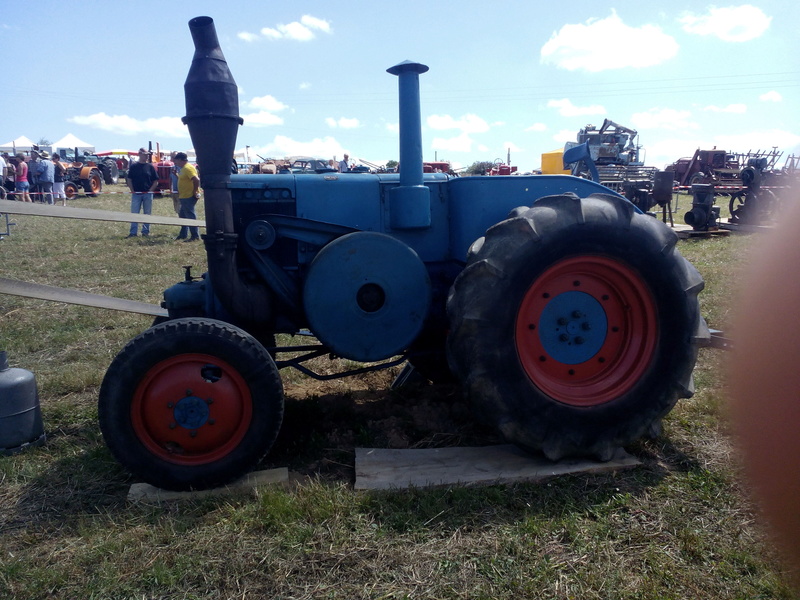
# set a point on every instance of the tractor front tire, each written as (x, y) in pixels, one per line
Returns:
(71, 190)
(94, 184)
(191, 404)
(574, 326)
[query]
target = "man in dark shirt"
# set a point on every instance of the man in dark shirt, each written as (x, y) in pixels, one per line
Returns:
(143, 181)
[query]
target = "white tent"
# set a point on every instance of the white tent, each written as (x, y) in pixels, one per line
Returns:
(69, 141)
(21, 144)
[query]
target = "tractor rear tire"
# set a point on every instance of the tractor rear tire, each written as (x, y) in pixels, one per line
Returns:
(110, 171)
(574, 326)
(191, 404)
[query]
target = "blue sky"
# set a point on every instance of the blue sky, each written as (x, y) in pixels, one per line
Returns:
(523, 76)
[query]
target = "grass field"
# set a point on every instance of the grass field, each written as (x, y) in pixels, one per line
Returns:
(679, 526)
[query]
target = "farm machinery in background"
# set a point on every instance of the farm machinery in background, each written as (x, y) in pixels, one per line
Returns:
(752, 181)
(87, 172)
(566, 315)
(502, 168)
(613, 150)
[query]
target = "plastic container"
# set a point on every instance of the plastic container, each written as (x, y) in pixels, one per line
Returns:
(20, 414)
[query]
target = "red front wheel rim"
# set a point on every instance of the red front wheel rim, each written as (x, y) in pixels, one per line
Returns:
(191, 409)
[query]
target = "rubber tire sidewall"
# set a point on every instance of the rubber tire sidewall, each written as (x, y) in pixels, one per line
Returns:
(207, 336)
(482, 349)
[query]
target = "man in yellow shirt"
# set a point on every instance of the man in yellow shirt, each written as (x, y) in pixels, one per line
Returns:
(188, 194)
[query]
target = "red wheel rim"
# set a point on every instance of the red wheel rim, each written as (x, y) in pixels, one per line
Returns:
(629, 339)
(204, 383)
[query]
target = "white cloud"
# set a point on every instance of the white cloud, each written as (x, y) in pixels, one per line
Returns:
(666, 151)
(771, 96)
(393, 127)
(468, 123)
(284, 146)
(759, 139)
(305, 85)
(268, 103)
(343, 122)
(299, 31)
(269, 32)
(296, 31)
(537, 127)
(315, 23)
(460, 143)
(730, 23)
(511, 146)
(125, 125)
(663, 118)
(262, 118)
(247, 36)
(592, 46)
(567, 109)
(565, 135)
(731, 108)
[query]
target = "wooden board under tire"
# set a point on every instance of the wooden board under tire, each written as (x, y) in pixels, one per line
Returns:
(144, 492)
(381, 469)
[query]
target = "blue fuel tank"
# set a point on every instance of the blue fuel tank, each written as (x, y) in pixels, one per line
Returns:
(20, 414)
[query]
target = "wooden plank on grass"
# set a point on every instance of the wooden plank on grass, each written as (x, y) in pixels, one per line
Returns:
(380, 469)
(144, 492)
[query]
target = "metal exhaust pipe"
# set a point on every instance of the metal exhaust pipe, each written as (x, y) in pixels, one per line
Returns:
(212, 115)
(410, 203)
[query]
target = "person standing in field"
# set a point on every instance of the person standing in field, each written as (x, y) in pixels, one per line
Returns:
(173, 180)
(142, 181)
(58, 180)
(188, 194)
(21, 184)
(46, 171)
(9, 173)
(33, 176)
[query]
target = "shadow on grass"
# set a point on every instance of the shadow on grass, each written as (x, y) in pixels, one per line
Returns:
(318, 440)
(83, 480)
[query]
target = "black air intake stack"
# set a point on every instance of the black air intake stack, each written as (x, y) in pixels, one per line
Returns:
(212, 115)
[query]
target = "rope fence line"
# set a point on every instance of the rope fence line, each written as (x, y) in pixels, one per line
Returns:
(164, 192)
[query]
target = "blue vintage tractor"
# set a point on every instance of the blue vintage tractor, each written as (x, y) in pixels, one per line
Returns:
(567, 315)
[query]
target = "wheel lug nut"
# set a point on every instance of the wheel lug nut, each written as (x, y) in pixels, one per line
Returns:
(576, 314)
(193, 433)
(579, 340)
(563, 337)
(188, 392)
(170, 405)
(209, 401)
(563, 321)
(586, 326)
(173, 425)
